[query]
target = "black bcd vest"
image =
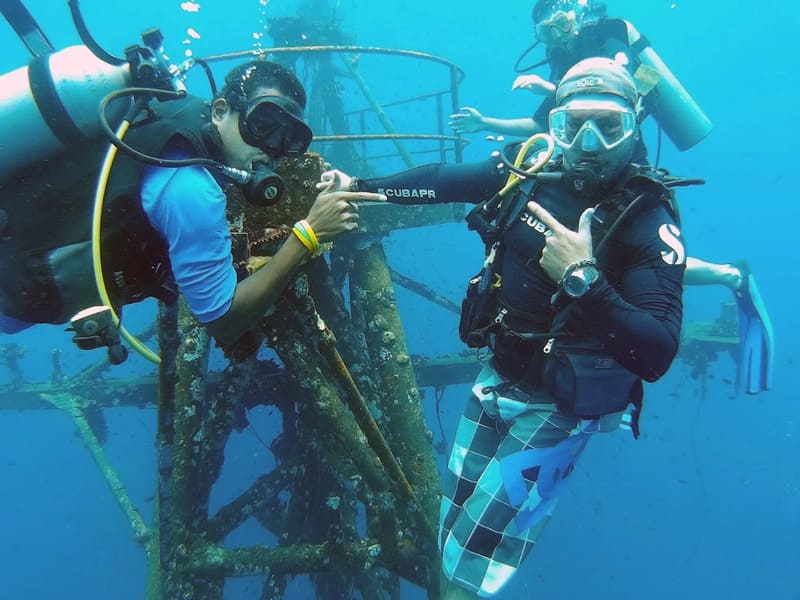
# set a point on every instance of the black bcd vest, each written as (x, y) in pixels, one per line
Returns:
(45, 229)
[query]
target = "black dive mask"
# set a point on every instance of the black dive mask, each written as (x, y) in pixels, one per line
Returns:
(274, 124)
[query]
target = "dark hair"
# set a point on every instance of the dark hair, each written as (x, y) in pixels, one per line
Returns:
(242, 81)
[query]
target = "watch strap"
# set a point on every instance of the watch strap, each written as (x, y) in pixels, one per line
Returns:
(355, 184)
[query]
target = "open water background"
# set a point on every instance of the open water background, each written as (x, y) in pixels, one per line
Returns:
(705, 505)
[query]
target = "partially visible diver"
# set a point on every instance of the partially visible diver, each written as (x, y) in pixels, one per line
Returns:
(573, 30)
(579, 301)
(164, 229)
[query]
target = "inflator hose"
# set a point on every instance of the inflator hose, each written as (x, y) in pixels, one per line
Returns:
(116, 139)
(97, 215)
(237, 175)
(88, 40)
(517, 173)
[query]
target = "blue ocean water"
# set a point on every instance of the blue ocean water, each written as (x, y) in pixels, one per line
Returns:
(705, 505)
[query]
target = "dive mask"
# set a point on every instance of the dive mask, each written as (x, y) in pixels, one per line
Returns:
(274, 124)
(555, 21)
(604, 124)
(554, 27)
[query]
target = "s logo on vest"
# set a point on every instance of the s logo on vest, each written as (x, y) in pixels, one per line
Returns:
(670, 235)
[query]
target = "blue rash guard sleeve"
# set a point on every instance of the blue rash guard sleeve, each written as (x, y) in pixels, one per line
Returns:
(187, 207)
(438, 183)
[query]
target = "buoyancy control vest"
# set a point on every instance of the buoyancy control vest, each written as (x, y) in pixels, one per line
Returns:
(45, 223)
(576, 371)
(482, 310)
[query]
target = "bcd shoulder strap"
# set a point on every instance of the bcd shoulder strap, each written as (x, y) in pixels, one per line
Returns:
(643, 186)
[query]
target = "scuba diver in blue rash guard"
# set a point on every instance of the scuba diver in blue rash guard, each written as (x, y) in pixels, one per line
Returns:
(572, 30)
(579, 301)
(164, 228)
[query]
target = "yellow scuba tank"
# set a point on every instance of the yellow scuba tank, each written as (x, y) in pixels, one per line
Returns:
(51, 105)
(677, 113)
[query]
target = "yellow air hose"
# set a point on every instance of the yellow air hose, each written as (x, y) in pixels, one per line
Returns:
(514, 179)
(97, 216)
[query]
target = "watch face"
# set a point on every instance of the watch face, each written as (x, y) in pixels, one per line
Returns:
(575, 285)
(580, 280)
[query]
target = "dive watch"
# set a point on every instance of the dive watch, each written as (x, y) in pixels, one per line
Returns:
(355, 184)
(579, 277)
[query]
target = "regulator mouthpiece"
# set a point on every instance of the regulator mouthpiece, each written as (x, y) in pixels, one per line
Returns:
(264, 187)
(94, 328)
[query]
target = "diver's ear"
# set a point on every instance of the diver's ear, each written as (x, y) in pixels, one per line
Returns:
(219, 108)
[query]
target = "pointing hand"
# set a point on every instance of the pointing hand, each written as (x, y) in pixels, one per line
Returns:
(563, 246)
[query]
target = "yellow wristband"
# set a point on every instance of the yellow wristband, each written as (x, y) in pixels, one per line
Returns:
(301, 235)
(310, 233)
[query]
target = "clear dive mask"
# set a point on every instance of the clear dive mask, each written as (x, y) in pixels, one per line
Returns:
(555, 26)
(592, 124)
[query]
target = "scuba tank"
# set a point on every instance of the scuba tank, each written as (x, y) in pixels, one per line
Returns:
(50, 105)
(676, 112)
(56, 112)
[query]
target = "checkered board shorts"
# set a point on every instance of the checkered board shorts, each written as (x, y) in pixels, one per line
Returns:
(509, 460)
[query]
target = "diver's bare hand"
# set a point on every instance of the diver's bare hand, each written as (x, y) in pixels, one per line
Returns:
(469, 120)
(335, 212)
(533, 83)
(334, 181)
(563, 246)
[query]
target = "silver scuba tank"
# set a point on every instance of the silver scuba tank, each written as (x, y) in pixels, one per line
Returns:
(677, 113)
(52, 104)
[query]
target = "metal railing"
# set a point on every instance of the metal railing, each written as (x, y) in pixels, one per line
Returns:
(445, 143)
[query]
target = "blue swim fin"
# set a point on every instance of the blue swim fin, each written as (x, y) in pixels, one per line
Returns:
(756, 338)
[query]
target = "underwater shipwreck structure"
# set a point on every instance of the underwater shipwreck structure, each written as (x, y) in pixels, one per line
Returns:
(353, 500)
